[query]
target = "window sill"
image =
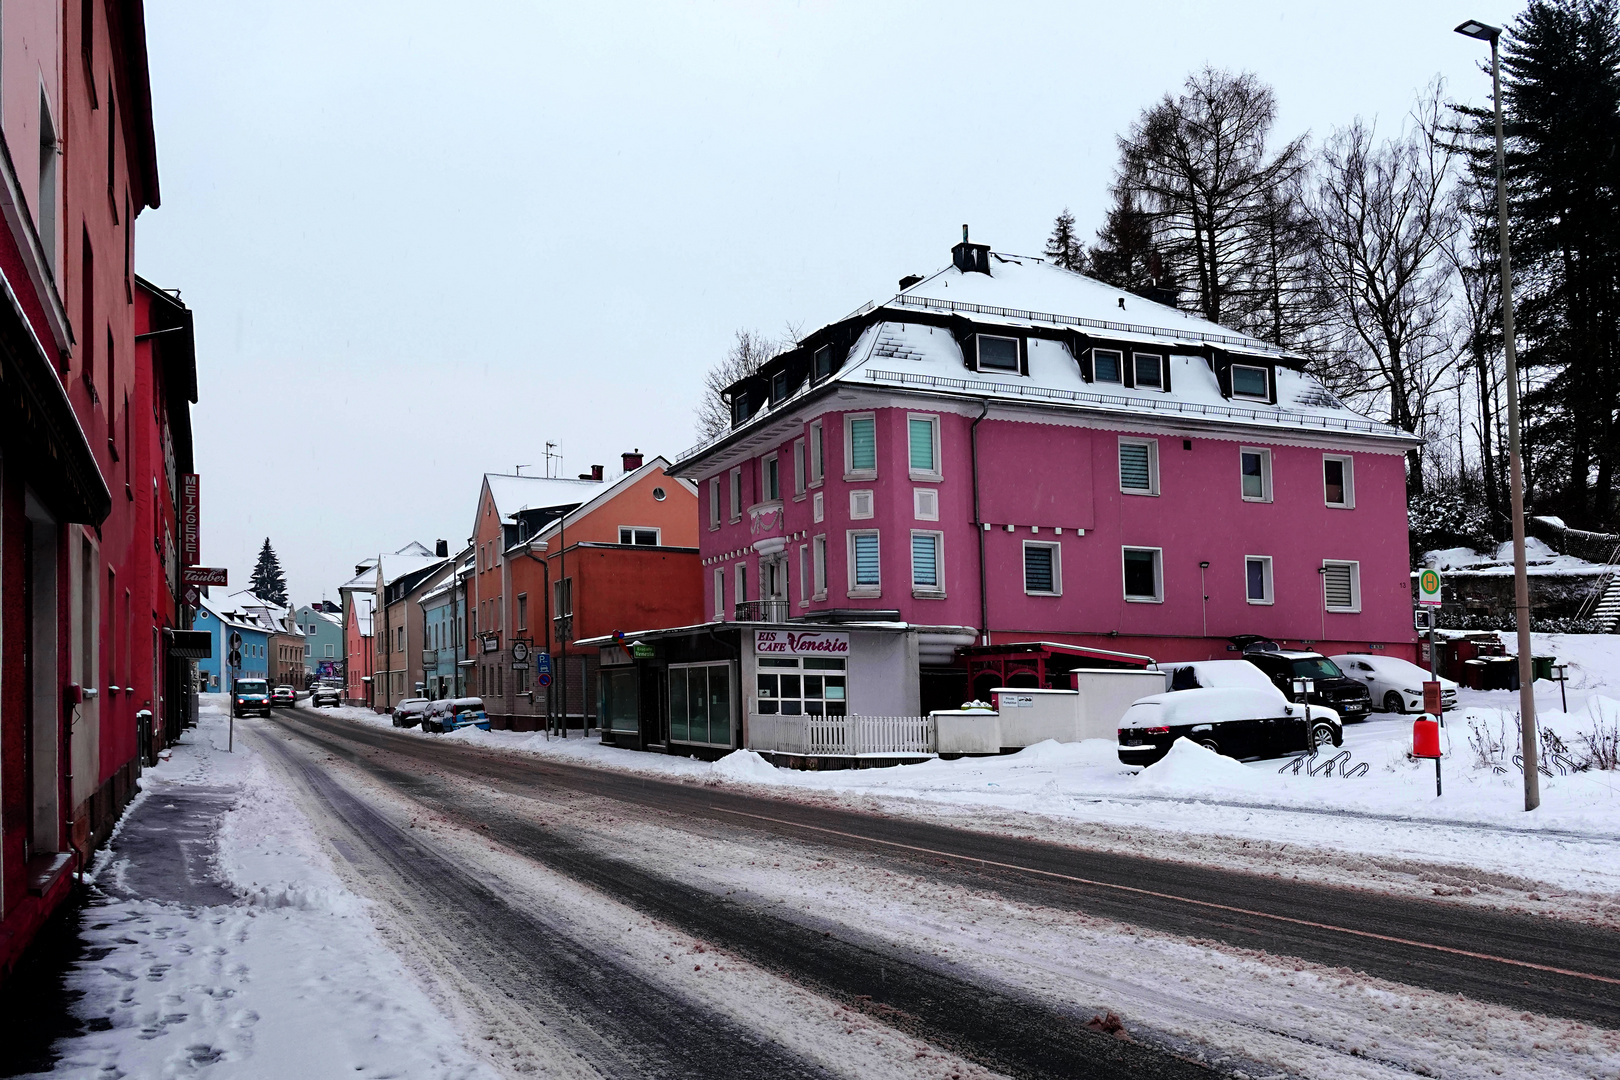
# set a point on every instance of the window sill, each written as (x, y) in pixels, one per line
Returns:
(1257, 499)
(1141, 494)
(819, 598)
(816, 483)
(1031, 592)
(1144, 600)
(1340, 506)
(1261, 603)
(865, 594)
(800, 497)
(1344, 611)
(734, 520)
(927, 478)
(855, 477)
(928, 594)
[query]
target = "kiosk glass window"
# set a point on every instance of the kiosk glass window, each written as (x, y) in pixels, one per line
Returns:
(811, 686)
(700, 703)
(620, 701)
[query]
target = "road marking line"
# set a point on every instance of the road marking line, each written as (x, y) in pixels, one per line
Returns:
(1185, 899)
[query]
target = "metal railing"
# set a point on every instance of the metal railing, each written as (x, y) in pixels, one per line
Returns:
(761, 611)
(1168, 405)
(1097, 324)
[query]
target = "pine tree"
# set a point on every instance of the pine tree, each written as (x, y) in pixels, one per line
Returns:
(268, 582)
(1063, 247)
(1124, 255)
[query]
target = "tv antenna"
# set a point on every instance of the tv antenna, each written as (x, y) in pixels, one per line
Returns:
(553, 455)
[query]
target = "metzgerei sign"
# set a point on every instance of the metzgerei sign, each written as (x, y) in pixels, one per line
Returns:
(190, 551)
(792, 643)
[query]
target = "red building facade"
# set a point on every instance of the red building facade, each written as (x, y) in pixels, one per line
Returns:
(98, 376)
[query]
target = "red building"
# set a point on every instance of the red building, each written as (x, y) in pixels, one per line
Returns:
(93, 442)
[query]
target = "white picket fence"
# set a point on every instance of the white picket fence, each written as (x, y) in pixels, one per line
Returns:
(844, 736)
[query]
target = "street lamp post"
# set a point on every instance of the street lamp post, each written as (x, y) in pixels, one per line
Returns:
(1521, 582)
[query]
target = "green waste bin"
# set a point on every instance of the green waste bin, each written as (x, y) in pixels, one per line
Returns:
(1541, 666)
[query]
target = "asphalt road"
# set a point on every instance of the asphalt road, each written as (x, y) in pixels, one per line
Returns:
(1543, 965)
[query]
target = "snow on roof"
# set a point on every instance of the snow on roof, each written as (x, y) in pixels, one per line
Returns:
(394, 567)
(514, 493)
(415, 547)
(1024, 292)
(231, 615)
(605, 493)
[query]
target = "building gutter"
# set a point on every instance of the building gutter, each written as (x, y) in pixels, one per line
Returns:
(978, 525)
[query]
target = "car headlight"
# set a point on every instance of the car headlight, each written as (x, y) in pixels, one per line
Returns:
(1414, 693)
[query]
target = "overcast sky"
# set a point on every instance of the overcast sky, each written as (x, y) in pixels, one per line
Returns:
(421, 240)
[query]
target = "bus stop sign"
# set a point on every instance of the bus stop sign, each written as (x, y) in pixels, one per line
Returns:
(1429, 587)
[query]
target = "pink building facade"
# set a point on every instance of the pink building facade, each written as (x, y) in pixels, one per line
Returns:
(998, 455)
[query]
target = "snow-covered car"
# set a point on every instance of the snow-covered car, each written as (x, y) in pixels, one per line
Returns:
(283, 695)
(1206, 673)
(326, 695)
(1238, 721)
(452, 714)
(408, 713)
(250, 695)
(1396, 685)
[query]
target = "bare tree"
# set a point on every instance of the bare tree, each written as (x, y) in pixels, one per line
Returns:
(1198, 165)
(1385, 216)
(748, 352)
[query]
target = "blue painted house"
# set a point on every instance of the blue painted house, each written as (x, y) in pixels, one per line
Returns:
(219, 618)
(322, 624)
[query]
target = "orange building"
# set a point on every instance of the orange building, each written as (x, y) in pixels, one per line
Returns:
(558, 560)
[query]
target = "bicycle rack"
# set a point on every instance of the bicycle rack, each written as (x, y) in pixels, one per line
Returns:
(1314, 766)
(1518, 760)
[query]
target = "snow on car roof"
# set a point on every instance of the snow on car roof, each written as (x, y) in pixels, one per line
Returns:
(1223, 673)
(1210, 705)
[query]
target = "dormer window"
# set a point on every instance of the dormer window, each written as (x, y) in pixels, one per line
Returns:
(998, 353)
(1251, 382)
(824, 361)
(779, 387)
(1149, 370)
(1106, 365)
(739, 409)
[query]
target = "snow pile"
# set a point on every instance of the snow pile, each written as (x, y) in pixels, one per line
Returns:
(1190, 767)
(1539, 558)
(745, 765)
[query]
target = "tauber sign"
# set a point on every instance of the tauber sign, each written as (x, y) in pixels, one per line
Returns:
(791, 643)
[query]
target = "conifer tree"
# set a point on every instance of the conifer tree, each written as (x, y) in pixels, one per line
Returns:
(268, 582)
(1063, 247)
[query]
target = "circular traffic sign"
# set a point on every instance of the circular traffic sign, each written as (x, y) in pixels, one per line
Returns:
(520, 651)
(235, 658)
(543, 679)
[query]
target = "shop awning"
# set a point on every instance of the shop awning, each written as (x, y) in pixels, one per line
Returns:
(189, 644)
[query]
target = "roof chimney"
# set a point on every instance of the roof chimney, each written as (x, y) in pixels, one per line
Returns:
(909, 280)
(632, 460)
(442, 549)
(594, 474)
(971, 258)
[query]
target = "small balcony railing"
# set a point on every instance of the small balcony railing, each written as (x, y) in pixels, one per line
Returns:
(762, 611)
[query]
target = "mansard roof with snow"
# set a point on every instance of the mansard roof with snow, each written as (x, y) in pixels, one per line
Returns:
(1018, 331)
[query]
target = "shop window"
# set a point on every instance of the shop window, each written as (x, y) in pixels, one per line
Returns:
(700, 703)
(620, 706)
(789, 686)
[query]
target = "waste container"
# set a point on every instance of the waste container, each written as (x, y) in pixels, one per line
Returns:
(1541, 667)
(1473, 674)
(1501, 673)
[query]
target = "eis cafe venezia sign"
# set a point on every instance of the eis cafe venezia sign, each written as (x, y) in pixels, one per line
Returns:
(792, 643)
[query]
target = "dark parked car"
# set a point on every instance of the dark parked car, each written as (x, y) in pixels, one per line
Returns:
(1333, 690)
(250, 695)
(408, 713)
(1240, 722)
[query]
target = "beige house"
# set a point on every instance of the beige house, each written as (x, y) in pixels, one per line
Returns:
(398, 629)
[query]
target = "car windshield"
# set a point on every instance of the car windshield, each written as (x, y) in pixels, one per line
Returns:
(248, 686)
(1319, 667)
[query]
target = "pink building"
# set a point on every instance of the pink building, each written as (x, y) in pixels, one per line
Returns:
(1007, 453)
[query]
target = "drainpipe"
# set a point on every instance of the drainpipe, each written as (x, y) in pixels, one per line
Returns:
(978, 526)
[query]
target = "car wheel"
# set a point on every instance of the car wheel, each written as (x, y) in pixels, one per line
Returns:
(1210, 744)
(1393, 703)
(1322, 737)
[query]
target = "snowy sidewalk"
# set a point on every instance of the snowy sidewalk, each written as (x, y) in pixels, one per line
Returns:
(219, 936)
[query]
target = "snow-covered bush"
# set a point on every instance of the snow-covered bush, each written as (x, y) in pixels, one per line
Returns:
(1446, 519)
(1450, 618)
